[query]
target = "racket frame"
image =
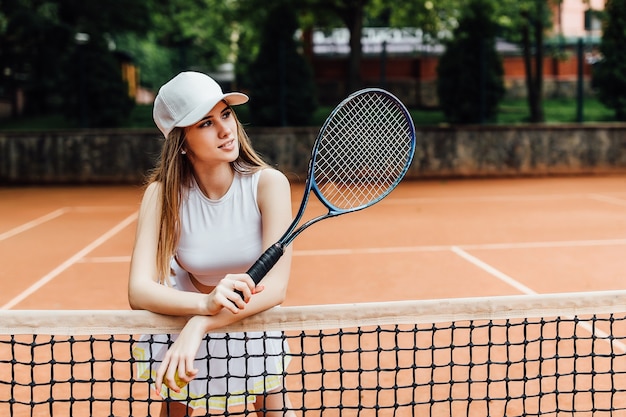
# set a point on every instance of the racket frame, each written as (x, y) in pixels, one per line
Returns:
(274, 252)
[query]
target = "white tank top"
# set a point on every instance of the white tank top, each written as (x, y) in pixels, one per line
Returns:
(220, 237)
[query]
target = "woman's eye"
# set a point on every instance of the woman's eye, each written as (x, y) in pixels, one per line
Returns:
(226, 114)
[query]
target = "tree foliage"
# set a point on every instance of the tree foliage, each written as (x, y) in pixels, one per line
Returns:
(183, 35)
(610, 73)
(523, 22)
(470, 75)
(435, 18)
(41, 58)
(281, 80)
(200, 30)
(351, 14)
(41, 55)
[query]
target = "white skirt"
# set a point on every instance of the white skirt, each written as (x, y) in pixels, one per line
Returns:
(233, 368)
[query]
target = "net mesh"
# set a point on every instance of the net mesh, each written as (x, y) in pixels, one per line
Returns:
(551, 355)
(364, 150)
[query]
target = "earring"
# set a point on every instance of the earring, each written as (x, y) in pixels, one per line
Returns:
(183, 152)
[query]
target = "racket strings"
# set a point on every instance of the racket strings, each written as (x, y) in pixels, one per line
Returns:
(363, 151)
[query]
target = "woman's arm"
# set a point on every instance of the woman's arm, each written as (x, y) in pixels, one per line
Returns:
(144, 290)
(274, 200)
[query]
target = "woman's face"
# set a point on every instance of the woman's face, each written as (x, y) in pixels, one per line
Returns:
(214, 138)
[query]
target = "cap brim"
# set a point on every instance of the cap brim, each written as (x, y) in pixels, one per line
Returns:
(233, 99)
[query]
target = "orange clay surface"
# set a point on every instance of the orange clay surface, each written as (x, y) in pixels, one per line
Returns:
(69, 247)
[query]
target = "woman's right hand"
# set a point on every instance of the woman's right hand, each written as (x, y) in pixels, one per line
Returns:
(227, 293)
(177, 368)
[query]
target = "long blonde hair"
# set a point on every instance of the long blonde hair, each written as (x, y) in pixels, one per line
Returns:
(175, 173)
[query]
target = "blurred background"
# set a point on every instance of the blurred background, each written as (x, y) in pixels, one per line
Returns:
(72, 64)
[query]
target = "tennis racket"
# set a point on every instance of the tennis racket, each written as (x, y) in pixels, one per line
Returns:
(361, 153)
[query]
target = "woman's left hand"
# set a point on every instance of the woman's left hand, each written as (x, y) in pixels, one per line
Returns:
(177, 368)
(233, 292)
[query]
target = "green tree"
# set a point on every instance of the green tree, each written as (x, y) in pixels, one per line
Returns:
(156, 62)
(94, 93)
(525, 22)
(281, 84)
(184, 35)
(470, 74)
(352, 14)
(199, 31)
(610, 73)
(349, 13)
(42, 52)
(436, 18)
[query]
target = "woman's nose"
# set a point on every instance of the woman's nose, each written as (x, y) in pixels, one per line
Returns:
(223, 129)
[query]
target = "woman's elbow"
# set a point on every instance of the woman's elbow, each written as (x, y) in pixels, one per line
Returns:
(280, 294)
(280, 298)
(135, 299)
(134, 304)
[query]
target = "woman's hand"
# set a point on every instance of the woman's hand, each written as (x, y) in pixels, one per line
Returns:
(177, 368)
(227, 293)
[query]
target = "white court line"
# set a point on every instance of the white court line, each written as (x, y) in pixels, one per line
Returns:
(458, 250)
(487, 198)
(57, 213)
(441, 248)
(33, 223)
(105, 259)
(68, 263)
(526, 290)
(91, 209)
(491, 270)
(505, 198)
(548, 244)
(607, 199)
(414, 249)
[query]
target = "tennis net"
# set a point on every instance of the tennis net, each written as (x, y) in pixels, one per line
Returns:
(549, 355)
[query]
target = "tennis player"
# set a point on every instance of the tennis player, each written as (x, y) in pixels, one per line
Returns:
(211, 207)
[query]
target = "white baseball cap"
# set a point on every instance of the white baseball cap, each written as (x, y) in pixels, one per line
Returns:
(187, 98)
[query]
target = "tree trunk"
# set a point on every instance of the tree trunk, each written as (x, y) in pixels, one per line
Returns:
(538, 86)
(354, 22)
(528, 70)
(532, 39)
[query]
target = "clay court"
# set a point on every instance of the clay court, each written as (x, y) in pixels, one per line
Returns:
(69, 247)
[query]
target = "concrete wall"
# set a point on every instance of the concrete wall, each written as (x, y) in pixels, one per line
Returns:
(125, 156)
(71, 157)
(521, 151)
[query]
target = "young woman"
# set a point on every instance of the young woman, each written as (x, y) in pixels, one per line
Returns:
(211, 207)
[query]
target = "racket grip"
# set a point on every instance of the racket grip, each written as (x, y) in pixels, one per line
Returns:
(266, 261)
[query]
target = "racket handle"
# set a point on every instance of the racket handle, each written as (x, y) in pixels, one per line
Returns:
(265, 262)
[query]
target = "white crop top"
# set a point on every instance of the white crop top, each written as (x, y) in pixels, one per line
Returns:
(220, 237)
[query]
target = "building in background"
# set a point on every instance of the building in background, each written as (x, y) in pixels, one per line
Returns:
(575, 19)
(403, 62)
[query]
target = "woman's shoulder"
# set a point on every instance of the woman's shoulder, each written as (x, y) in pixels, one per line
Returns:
(272, 177)
(152, 196)
(153, 189)
(273, 185)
